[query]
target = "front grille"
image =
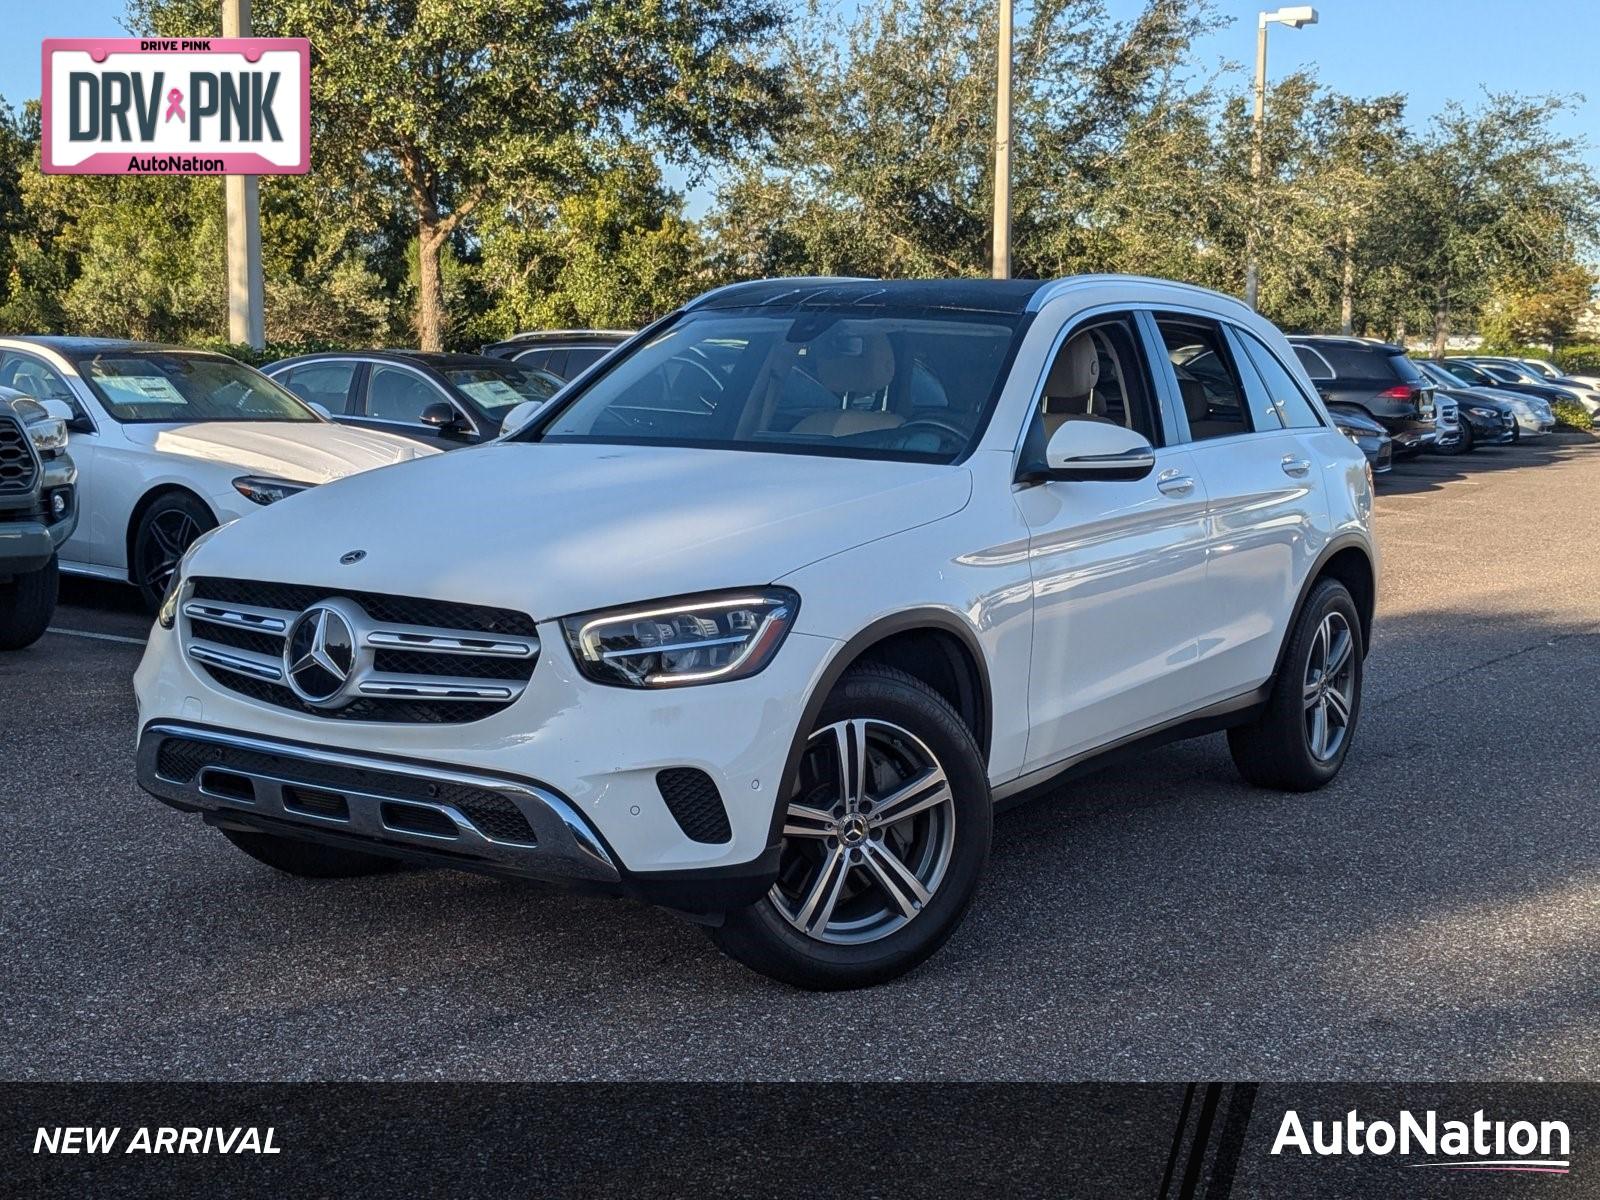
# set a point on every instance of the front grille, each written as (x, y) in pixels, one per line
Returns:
(692, 799)
(413, 661)
(19, 469)
(179, 760)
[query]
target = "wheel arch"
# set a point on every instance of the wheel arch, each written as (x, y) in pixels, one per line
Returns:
(146, 502)
(931, 644)
(1348, 560)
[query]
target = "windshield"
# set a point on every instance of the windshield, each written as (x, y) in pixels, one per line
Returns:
(499, 387)
(157, 385)
(908, 384)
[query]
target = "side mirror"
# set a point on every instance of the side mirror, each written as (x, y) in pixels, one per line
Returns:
(320, 409)
(519, 416)
(59, 409)
(1085, 450)
(442, 417)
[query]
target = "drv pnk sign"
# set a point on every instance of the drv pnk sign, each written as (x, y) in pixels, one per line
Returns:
(167, 106)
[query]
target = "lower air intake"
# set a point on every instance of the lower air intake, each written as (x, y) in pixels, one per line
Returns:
(693, 801)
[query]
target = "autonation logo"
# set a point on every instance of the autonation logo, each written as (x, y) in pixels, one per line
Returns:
(1476, 1145)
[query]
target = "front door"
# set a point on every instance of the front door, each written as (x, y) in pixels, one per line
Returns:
(1118, 567)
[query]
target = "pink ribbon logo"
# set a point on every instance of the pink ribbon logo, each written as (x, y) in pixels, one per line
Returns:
(175, 105)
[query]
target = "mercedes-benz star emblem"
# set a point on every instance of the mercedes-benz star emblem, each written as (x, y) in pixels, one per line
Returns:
(319, 654)
(350, 557)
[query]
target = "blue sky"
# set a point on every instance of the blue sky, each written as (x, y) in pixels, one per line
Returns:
(1433, 50)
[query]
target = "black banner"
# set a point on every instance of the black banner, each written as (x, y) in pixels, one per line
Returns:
(1165, 1141)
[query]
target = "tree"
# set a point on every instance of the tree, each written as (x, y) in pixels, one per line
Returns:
(1545, 310)
(454, 101)
(887, 167)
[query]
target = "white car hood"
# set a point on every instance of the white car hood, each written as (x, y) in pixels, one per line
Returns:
(557, 529)
(303, 451)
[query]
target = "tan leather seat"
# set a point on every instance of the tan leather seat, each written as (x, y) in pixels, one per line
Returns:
(852, 364)
(1069, 389)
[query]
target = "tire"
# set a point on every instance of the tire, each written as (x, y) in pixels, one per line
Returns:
(167, 528)
(1276, 750)
(27, 602)
(309, 860)
(857, 933)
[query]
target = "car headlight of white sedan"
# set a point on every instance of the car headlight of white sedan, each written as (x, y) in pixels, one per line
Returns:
(265, 490)
(695, 639)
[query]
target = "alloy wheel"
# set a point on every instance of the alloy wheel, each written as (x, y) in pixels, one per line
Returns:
(1329, 686)
(167, 537)
(868, 833)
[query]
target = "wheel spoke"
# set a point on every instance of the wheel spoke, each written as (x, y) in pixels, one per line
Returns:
(1339, 656)
(803, 821)
(1339, 704)
(1319, 650)
(850, 744)
(1313, 693)
(895, 878)
(1319, 728)
(928, 790)
(815, 913)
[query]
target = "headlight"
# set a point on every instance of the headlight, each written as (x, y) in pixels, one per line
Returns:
(698, 639)
(267, 491)
(1488, 414)
(167, 614)
(48, 434)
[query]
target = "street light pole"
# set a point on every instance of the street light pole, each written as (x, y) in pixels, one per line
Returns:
(246, 321)
(1294, 18)
(1002, 149)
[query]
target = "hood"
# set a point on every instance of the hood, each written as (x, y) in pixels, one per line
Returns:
(304, 451)
(557, 529)
(1479, 396)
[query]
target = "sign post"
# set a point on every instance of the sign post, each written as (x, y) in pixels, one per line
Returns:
(246, 303)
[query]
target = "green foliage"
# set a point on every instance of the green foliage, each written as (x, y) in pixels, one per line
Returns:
(1582, 359)
(1572, 415)
(271, 352)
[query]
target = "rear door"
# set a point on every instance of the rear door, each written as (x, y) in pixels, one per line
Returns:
(394, 398)
(1252, 433)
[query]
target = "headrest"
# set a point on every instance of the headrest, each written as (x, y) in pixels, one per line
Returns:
(854, 362)
(1076, 369)
(1195, 404)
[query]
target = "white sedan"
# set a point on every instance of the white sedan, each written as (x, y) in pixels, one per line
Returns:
(171, 442)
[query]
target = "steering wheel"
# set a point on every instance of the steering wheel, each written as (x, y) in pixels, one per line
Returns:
(959, 434)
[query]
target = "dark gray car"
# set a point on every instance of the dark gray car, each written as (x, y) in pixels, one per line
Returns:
(38, 511)
(1375, 377)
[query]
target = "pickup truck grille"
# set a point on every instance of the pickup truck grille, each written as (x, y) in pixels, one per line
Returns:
(358, 656)
(19, 469)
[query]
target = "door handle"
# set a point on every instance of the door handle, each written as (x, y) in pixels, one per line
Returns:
(1172, 483)
(1297, 467)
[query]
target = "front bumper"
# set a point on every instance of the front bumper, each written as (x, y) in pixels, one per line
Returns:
(571, 745)
(29, 533)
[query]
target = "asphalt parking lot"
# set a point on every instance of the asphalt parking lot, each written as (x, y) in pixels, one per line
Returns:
(1434, 914)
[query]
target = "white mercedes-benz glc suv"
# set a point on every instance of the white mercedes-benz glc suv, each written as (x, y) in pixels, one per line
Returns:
(762, 618)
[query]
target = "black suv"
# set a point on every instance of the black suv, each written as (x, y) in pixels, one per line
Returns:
(1377, 378)
(565, 353)
(38, 511)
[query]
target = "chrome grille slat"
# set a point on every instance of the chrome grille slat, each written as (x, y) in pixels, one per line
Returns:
(244, 616)
(432, 687)
(241, 662)
(451, 641)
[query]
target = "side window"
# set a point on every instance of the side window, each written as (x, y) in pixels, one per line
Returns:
(396, 394)
(327, 384)
(37, 378)
(1099, 374)
(535, 360)
(1316, 366)
(581, 358)
(1208, 382)
(1283, 392)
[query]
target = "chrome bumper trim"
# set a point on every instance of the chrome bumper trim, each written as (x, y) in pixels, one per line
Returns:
(567, 847)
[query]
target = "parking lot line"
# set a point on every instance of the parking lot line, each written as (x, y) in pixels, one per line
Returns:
(99, 637)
